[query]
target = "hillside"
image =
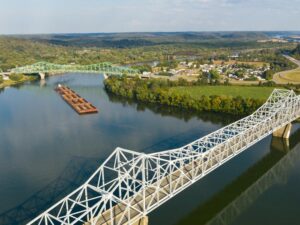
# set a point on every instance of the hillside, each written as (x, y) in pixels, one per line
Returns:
(129, 48)
(16, 51)
(129, 40)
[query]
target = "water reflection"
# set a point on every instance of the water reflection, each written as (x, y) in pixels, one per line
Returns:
(225, 206)
(40, 136)
(74, 175)
(185, 115)
(221, 209)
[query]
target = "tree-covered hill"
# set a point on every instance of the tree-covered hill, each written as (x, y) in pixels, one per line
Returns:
(18, 51)
(15, 52)
(129, 40)
(132, 48)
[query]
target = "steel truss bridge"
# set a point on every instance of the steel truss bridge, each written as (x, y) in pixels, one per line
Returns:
(276, 175)
(129, 185)
(45, 67)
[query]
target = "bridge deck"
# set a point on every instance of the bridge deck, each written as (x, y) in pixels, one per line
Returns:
(79, 104)
(171, 184)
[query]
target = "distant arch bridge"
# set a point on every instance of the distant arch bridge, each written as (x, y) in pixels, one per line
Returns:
(43, 68)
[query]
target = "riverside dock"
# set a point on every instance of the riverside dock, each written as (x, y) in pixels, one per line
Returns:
(79, 104)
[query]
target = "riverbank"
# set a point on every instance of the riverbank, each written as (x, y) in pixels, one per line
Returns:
(237, 100)
(7, 83)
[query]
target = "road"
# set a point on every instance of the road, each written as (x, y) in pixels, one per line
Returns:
(281, 78)
(292, 59)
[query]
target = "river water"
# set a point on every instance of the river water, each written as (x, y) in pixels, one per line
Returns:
(47, 150)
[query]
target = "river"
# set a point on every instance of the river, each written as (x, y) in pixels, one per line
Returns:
(47, 150)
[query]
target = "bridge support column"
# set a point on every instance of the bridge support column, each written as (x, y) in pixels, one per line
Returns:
(280, 144)
(105, 76)
(283, 132)
(143, 221)
(42, 76)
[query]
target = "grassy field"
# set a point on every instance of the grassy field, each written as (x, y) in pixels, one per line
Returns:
(234, 91)
(292, 75)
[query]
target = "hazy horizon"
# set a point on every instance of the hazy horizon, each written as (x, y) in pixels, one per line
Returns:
(158, 32)
(93, 16)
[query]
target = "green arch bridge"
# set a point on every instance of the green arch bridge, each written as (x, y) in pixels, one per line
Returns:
(43, 68)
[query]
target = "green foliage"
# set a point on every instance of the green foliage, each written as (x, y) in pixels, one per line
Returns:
(251, 79)
(268, 84)
(239, 73)
(211, 77)
(16, 76)
(158, 92)
(246, 66)
(214, 75)
(143, 68)
(162, 73)
(269, 74)
(166, 48)
(296, 52)
(278, 64)
(1, 79)
(171, 64)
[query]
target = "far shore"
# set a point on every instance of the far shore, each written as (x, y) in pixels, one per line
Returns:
(7, 83)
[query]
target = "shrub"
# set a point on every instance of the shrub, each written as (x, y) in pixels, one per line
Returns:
(1, 79)
(16, 76)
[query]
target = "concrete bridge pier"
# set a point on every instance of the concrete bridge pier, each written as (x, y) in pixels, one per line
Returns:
(42, 76)
(105, 76)
(280, 144)
(283, 132)
(42, 83)
(143, 221)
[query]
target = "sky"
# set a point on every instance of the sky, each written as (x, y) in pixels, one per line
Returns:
(92, 16)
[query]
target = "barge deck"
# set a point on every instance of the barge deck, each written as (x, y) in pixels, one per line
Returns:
(79, 104)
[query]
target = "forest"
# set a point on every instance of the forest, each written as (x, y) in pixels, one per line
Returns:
(158, 91)
(132, 48)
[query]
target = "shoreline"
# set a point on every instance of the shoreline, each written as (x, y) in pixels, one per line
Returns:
(140, 92)
(9, 83)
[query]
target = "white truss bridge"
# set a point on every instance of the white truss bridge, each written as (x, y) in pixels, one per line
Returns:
(129, 185)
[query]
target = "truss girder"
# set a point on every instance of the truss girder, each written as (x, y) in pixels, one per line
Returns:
(129, 185)
(45, 67)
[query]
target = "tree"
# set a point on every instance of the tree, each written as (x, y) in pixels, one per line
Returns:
(268, 74)
(1, 79)
(16, 76)
(239, 73)
(214, 75)
(143, 68)
(296, 51)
